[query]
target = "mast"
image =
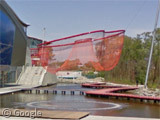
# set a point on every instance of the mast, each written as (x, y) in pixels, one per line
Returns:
(152, 44)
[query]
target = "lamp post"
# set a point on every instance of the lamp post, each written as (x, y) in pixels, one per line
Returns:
(44, 32)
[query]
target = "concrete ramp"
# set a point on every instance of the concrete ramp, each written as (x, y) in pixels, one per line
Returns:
(36, 76)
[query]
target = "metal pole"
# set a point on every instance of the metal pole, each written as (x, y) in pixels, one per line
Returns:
(44, 29)
(152, 44)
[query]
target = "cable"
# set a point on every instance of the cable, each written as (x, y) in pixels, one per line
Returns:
(138, 11)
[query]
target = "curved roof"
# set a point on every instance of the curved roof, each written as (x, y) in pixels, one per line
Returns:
(8, 7)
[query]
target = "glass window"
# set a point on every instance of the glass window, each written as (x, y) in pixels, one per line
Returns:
(7, 31)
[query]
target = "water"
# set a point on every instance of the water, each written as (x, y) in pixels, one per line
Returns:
(96, 106)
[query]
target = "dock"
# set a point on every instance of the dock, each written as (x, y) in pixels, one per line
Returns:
(54, 91)
(13, 89)
(112, 92)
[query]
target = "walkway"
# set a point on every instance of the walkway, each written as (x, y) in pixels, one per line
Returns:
(91, 117)
(45, 114)
(13, 89)
(111, 92)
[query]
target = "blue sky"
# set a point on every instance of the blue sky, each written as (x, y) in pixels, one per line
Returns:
(68, 17)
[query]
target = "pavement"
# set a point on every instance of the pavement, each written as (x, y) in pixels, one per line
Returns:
(20, 118)
(13, 89)
(90, 117)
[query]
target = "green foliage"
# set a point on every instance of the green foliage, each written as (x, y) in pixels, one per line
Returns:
(93, 75)
(134, 60)
(90, 75)
(101, 74)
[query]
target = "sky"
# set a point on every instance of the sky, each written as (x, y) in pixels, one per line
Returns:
(62, 18)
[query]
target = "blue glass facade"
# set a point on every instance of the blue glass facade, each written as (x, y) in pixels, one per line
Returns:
(7, 32)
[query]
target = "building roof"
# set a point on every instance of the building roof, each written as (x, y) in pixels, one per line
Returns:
(34, 38)
(22, 23)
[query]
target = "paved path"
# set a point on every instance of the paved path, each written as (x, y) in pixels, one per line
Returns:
(45, 114)
(7, 90)
(20, 118)
(91, 117)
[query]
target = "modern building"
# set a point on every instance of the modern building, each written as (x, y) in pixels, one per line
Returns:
(69, 74)
(34, 42)
(13, 39)
(15, 52)
(14, 44)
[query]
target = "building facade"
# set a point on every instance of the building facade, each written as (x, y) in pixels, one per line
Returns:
(34, 42)
(13, 38)
(14, 44)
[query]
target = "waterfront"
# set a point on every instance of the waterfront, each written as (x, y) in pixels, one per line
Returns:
(96, 106)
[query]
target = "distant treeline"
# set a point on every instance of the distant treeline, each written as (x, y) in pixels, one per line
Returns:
(134, 59)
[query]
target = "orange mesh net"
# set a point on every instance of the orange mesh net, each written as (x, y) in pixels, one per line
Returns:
(95, 51)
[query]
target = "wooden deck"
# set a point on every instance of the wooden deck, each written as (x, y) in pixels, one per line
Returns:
(52, 114)
(111, 92)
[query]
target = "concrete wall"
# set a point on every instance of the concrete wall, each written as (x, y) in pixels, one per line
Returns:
(49, 79)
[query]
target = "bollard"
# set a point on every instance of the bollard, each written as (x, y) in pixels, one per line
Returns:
(155, 101)
(36, 91)
(30, 91)
(55, 91)
(63, 92)
(46, 91)
(81, 93)
(72, 92)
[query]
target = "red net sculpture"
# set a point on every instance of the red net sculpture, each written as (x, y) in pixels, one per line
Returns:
(95, 51)
(35, 56)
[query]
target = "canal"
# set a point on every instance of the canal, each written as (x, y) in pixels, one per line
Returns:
(68, 102)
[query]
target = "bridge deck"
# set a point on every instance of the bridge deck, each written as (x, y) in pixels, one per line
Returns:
(112, 92)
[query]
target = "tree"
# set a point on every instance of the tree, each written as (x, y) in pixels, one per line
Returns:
(134, 60)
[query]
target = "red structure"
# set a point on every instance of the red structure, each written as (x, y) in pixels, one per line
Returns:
(96, 51)
(111, 91)
(35, 56)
